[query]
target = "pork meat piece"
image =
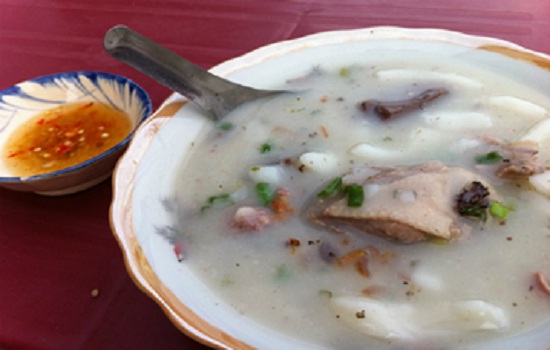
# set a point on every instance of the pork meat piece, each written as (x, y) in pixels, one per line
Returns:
(389, 109)
(404, 204)
(520, 159)
(517, 159)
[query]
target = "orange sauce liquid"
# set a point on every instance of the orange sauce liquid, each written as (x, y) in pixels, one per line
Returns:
(63, 137)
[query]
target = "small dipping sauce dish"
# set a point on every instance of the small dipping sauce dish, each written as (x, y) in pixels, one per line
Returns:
(63, 133)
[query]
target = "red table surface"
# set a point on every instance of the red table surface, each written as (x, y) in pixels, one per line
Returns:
(55, 250)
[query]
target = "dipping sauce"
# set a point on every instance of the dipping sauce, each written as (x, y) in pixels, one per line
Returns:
(64, 136)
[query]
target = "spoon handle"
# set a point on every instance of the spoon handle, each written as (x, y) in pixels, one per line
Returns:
(214, 94)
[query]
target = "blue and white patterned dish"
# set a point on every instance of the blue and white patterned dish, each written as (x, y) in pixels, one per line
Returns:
(29, 98)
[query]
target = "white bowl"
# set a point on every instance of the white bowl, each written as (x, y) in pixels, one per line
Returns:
(29, 98)
(145, 178)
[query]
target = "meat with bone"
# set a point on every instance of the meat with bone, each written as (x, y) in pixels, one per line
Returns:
(404, 204)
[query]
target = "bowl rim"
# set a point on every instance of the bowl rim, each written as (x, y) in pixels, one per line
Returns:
(140, 93)
(120, 213)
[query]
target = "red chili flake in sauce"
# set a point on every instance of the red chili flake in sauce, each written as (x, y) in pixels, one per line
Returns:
(65, 136)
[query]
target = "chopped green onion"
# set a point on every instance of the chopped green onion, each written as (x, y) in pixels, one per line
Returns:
(499, 210)
(510, 204)
(356, 196)
(325, 293)
(489, 158)
(282, 272)
(226, 126)
(439, 241)
(217, 200)
(266, 147)
(264, 192)
(334, 186)
(387, 138)
(226, 282)
(476, 212)
(344, 72)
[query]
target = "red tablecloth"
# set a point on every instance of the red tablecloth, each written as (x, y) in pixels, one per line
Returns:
(55, 251)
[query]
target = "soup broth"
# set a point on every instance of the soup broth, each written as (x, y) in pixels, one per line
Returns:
(246, 191)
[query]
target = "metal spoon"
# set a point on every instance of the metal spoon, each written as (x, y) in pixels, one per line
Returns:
(215, 95)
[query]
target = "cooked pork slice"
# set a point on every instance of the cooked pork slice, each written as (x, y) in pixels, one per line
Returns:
(405, 204)
(512, 160)
(520, 159)
(252, 219)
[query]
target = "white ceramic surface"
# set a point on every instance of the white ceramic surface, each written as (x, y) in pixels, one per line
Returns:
(140, 214)
(27, 99)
